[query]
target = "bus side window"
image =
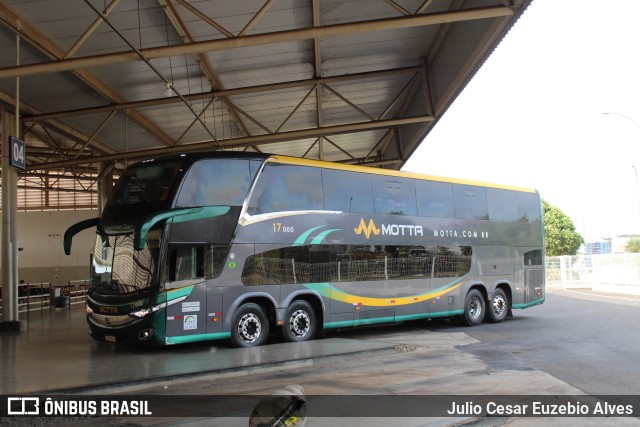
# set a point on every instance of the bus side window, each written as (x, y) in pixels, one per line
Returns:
(452, 261)
(214, 182)
(216, 257)
(528, 207)
(503, 204)
(185, 262)
(287, 188)
(533, 258)
(470, 202)
(394, 196)
(347, 191)
(435, 199)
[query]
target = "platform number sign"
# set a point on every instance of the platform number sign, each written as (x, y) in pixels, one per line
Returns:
(17, 153)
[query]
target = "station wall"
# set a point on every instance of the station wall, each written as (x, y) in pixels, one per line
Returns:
(41, 255)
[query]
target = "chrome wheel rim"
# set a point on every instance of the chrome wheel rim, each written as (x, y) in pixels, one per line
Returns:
(474, 308)
(249, 328)
(299, 323)
(499, 305)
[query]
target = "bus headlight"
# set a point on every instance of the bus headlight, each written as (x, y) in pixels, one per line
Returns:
(145, 311)
(141, 313)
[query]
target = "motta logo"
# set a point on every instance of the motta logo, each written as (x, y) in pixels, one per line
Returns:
(367, 229)
(387, 229)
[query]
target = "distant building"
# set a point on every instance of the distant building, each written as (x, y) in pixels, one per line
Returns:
(607, 245)
(603, 246)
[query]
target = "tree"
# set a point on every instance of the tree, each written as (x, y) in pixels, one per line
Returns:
(560, 234)
(633, 245)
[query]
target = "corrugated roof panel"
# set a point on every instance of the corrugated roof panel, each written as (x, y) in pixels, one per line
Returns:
(60, 91)
(234, 16)
(145, 24)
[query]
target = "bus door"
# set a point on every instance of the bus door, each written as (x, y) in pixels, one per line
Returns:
(186, 290)
(530, 274)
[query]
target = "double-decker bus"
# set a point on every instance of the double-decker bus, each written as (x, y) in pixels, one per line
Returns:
(229, 245)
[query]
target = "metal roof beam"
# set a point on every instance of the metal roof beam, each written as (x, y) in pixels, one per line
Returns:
(46, 46)
(55, 124)
(205, 66)
(258, 40)
(94, 26)
(241, 142)
(256, 18)
(220, 93)
(205, 18)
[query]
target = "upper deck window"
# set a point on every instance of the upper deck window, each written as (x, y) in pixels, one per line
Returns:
(287, 188)
(470, 202)
(347, 191)
(506, 205)
(435, 199)
(217, 182)
(145, 182)
(394, 196)
(142, 189)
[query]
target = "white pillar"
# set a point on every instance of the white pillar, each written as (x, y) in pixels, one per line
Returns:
(9, 229)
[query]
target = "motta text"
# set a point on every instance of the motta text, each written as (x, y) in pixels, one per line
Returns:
(471, 234)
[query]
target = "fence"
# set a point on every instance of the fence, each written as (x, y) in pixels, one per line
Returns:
(33, 297)
(601, 269)
(566, 271)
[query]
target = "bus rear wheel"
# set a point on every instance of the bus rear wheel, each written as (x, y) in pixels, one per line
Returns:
(299, 322)
(250, 326)
(498, 307)
(473, 308)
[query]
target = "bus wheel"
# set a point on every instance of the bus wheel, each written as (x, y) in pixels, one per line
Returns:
(299, 322)
(250, 326)
(498, 307)
(473, 308)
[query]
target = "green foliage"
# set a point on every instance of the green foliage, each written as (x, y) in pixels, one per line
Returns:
(560, 234)
(633, 245)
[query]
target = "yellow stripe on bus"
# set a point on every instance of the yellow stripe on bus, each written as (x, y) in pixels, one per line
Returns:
(388, 172)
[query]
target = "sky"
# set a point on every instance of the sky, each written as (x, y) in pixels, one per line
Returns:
(533, 115)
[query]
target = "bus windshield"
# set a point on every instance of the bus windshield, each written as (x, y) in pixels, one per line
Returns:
(143, 188)
(119, 269)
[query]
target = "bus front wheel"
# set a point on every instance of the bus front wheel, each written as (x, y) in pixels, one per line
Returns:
(299, 322)
(473, 308)
(250, 326)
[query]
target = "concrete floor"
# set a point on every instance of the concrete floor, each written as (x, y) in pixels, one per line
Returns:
(56, 353)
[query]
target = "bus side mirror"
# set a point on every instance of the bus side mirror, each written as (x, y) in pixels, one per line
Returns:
(75, 229)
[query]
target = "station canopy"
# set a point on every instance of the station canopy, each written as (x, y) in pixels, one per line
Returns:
(114, 81)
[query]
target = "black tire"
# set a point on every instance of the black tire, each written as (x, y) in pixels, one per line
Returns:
(299, 322)
(498, 307)
(474, 307)
(250, 327)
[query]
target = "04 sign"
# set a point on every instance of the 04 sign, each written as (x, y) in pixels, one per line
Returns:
(17, 153)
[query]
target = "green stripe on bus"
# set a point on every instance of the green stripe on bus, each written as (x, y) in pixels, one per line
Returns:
(177, 293)
(374, 320)
(200, 337)
(389, 319)
(318, 239)
(301, 239)
(527, 305)
(429, 315)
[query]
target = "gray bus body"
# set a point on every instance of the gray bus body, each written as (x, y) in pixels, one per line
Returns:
(216, 246)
